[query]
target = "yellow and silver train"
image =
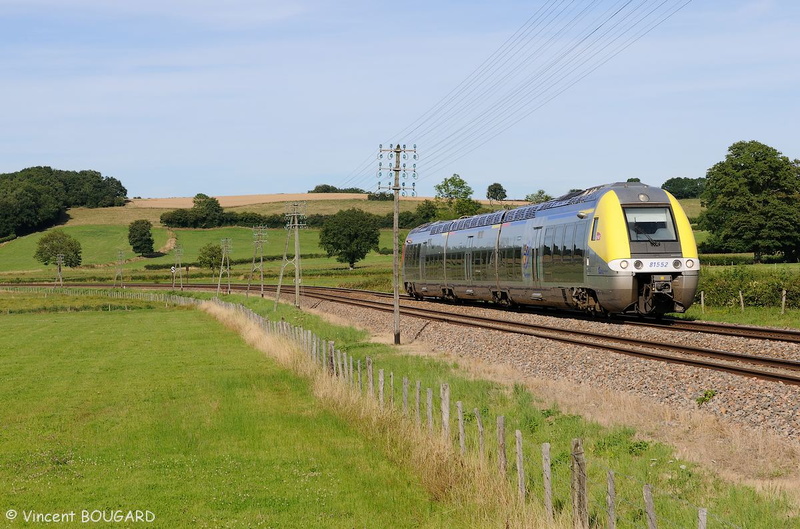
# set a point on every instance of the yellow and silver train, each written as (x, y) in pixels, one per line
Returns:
(616, 248)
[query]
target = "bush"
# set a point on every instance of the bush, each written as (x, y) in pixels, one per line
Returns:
(760, 287)
(726, 259)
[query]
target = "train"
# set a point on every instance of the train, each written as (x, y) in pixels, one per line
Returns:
(620, 248)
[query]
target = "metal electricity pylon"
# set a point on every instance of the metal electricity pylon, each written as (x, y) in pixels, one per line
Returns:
(294, 213)
(177, 268)
(259, 239)
(120, 264)
(225, 264)
(59, 264)
(407, 167)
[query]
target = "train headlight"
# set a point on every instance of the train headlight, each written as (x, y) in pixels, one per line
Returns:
(676, 264)
(638, 264)
(623, 264)
(689, 263)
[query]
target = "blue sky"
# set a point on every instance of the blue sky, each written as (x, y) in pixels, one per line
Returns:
(180, 97)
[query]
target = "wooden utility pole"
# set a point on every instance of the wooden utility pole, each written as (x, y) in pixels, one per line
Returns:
(395, 152)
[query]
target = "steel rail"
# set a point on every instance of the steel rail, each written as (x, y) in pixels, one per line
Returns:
(628, 346)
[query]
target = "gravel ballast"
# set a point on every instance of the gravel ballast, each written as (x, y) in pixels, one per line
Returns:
(753, 403)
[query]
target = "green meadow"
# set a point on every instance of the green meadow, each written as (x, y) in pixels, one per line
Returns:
(99, 246)
(165, 410)
(114, 404)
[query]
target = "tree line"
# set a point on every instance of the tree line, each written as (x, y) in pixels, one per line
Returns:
(751, 200)
(36, 198)
(208, 213)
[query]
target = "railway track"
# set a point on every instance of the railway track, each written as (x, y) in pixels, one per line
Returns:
(766, 368)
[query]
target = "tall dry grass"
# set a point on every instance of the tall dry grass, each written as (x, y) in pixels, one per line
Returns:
(464, 482)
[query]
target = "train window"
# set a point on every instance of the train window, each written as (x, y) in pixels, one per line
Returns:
(547, 247)
(558, 243)
(650, 224)
(595, 233)
(580, 241)
(569, 241)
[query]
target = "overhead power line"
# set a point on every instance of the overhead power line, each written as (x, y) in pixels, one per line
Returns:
(559, 45)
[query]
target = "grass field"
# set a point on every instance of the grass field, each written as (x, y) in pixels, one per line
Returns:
(167, 411)
(114, 216)
(99, 245)
(692, 207)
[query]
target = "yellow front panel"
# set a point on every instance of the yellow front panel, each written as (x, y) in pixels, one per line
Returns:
(688, 244)
(613, 230)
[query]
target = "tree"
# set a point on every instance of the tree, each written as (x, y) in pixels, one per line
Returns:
(140, 236)
(465, 207)
(207, 210)
(752, 201)
(58, 242)
(538, 197)
(426, 211)
(210, 256)
(633, 180)
(453, 188)
(496, 192)
(350, 235)
(685, 187)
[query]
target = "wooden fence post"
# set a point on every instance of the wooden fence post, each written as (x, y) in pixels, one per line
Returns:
(783, 301)
(419, 417)
(520, 466)
(380, 386)
(580, 500)
(547, 482)
(649, 507)
(370, 381)
(360, 386)
(479, 422)
(741, 300)
(314, 350)
(350, 375)
(703, 301)
(702, 518)
(430, 411)
(444, 393)
(391, 388)
(405, 395)
(332, 354)
(501, 444)
(461, 441)
(611, 501)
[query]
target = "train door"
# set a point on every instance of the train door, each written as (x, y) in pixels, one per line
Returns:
(468, 259)
(423, 253)
(536, 261)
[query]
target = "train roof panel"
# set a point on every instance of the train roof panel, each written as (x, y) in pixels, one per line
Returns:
(628, 192)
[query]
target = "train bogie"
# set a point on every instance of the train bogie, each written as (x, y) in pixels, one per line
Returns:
(611, 249)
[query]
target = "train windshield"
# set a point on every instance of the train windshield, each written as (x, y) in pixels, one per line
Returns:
(650, 224)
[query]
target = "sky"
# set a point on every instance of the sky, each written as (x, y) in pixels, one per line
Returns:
(179, 97)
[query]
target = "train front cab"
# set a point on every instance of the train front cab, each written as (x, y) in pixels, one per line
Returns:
(643, 257)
